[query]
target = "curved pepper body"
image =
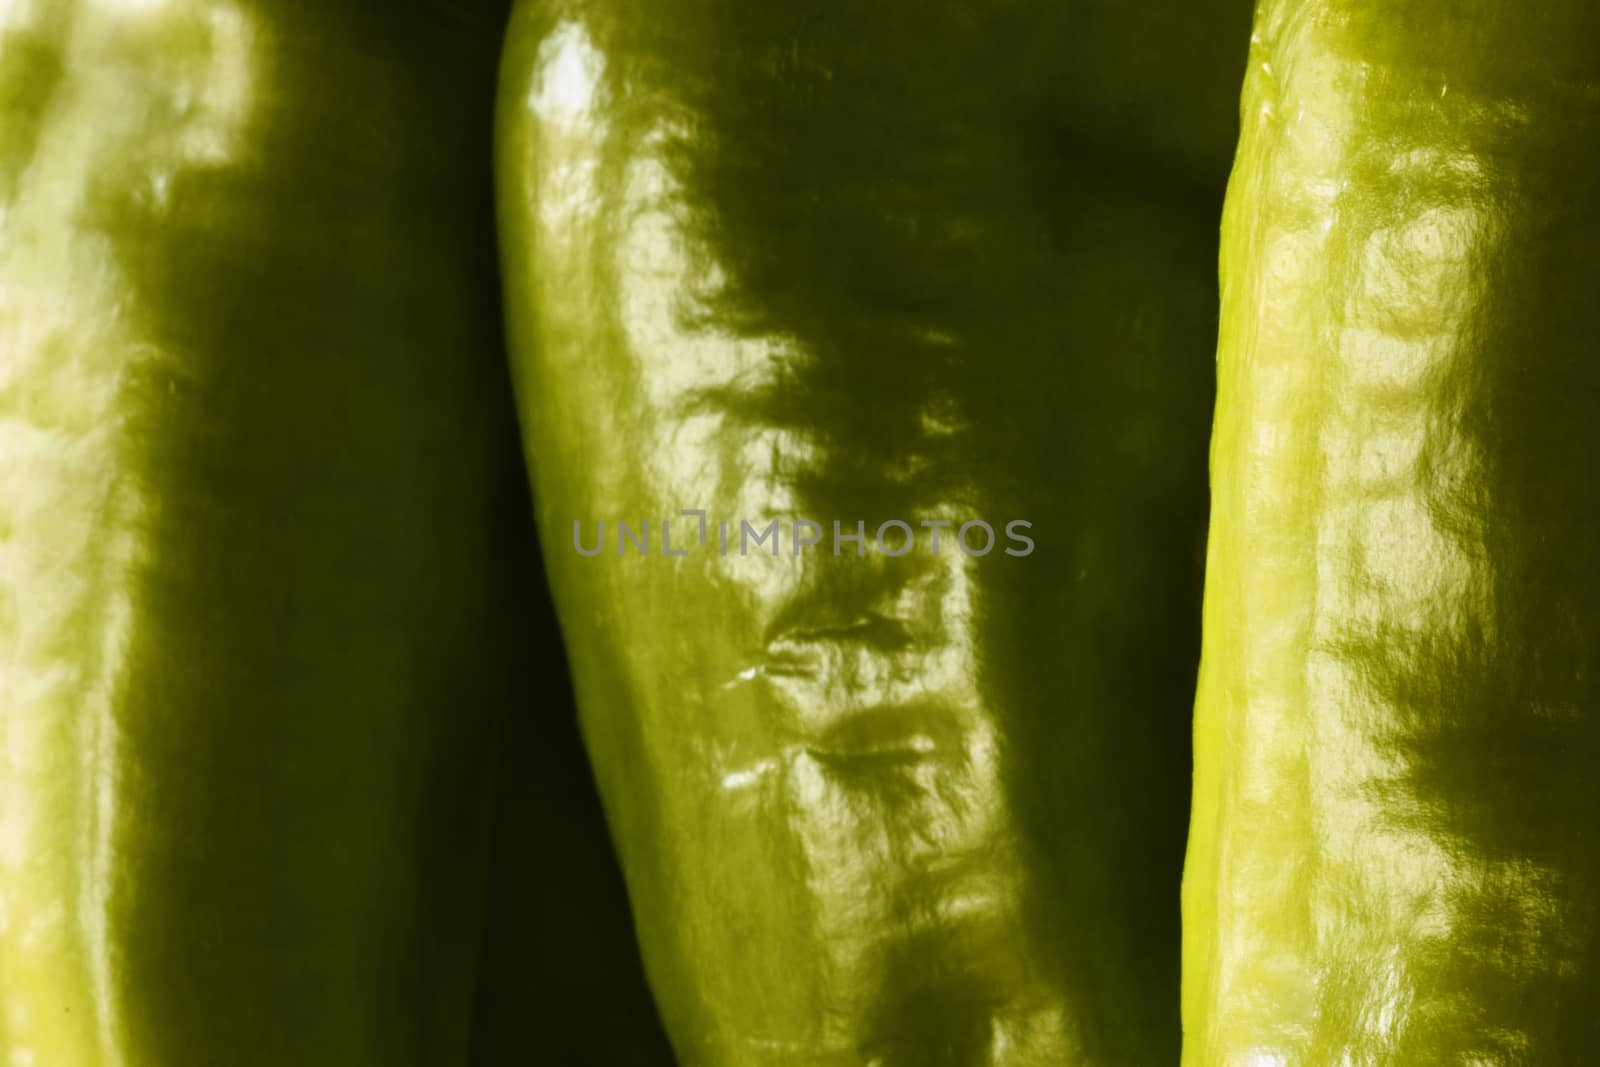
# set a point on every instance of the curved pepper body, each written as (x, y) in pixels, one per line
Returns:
(1394, 856)
(818, 262)
(251, 472)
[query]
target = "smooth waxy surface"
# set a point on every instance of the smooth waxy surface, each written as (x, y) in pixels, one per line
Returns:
(249, 473)
(870, 262)
(1395, 856)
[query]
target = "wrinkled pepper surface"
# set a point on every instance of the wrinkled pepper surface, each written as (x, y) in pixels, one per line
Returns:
(861, 263)
(252, 471)
(1394, 857)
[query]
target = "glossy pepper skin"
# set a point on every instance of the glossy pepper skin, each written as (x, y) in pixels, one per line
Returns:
(1395, 855)
(252, 467)
(865, 262)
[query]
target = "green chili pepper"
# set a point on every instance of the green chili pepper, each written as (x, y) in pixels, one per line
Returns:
(1393, 856)
(878, 264)
(254, 478)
